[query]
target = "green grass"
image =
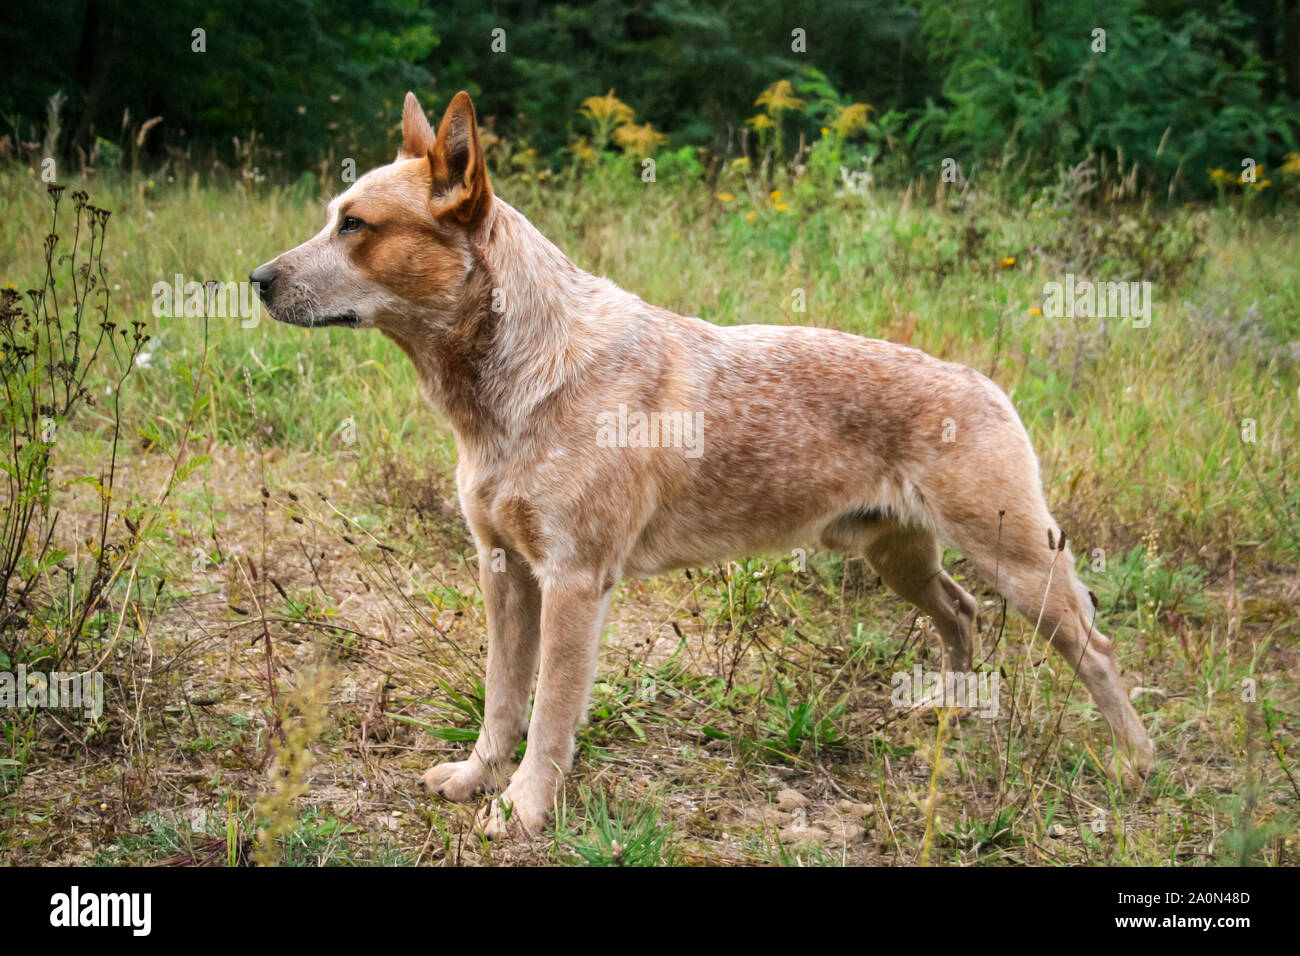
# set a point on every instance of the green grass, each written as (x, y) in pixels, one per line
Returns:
(625, 831)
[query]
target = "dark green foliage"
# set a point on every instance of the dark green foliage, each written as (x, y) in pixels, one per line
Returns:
(1180, 88)
(1177, 96)
(310, 77)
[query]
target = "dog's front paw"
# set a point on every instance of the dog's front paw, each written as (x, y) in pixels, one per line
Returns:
(519, 812)
(460, 781)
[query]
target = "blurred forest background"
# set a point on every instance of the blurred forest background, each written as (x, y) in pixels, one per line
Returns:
(1173, 89)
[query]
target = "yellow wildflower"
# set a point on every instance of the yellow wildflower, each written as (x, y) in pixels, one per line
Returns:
(851, 119)
(640, 140)
(582, 150)
(778, 98)
(606, 109)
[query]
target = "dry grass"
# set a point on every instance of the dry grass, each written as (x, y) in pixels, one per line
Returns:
(372, 578)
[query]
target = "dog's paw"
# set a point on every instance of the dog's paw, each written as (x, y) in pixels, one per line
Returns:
(459, 782)
(1135, 764)
(509, 817)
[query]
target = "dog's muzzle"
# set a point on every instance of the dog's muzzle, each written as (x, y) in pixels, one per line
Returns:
(264, 280)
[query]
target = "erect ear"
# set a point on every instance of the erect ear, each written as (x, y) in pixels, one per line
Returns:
(417, 134)
(460, 184)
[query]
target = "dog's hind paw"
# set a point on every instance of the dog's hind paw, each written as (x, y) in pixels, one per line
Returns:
(1136, 763)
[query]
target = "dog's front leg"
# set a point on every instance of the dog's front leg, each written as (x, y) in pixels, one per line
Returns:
(512, 601)
(573, 615)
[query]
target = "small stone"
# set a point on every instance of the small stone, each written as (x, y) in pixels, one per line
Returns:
(804, 835)
(848, 833)
(788, 800)
(774, 818)
(854, 809)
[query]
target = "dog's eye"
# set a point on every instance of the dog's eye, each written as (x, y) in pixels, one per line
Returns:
(350, 224)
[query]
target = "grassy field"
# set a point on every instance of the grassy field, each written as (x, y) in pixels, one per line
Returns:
(294, 632)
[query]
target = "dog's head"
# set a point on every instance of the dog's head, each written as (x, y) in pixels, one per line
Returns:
(395, 249)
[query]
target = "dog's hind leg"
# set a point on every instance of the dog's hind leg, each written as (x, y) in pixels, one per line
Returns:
(513, 603)
(1021, 555)
(908, 561)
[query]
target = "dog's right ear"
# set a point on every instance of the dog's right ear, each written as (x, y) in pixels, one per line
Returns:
(417, 134)
(461, 190)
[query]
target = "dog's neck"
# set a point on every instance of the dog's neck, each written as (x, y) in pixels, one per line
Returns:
(528, 324)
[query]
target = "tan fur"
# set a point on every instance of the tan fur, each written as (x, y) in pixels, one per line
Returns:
(808, 436)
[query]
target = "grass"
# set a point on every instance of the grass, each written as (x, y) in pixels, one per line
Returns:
(317, 534)
(626, 831)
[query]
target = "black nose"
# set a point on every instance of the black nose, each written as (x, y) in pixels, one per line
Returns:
(262, 278)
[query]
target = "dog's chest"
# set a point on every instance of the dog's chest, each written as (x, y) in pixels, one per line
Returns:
(499, 506)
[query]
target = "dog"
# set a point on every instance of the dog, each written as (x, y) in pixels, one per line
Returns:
(553, 379)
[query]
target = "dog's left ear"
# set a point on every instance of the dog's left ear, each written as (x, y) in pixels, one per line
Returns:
(417, 134)
(461, 190)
